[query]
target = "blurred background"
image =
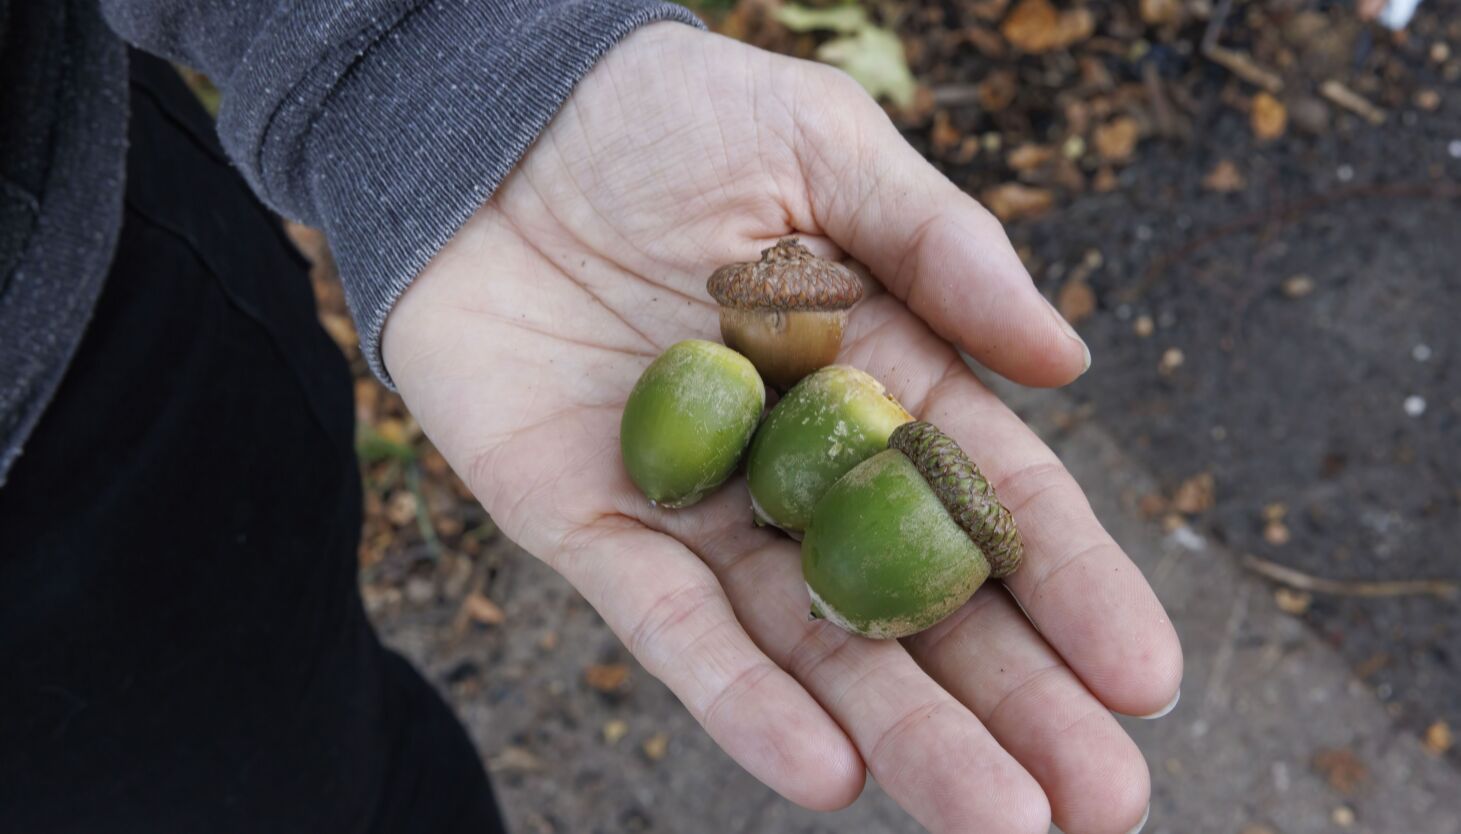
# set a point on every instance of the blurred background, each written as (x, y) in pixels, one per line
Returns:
(1252, 212)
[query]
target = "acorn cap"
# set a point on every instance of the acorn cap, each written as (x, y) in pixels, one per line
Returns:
(788, 277)
(964, 492)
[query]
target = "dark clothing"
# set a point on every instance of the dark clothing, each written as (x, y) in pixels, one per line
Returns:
(385, 123)
(182, 642)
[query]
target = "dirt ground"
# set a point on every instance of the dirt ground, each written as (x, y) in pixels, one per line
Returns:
(1250, 211)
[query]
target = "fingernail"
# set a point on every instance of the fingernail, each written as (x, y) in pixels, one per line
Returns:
(1144, 818)
(1164, 710)
(1070, 331)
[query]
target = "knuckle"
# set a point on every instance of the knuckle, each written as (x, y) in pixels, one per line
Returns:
(667, 611)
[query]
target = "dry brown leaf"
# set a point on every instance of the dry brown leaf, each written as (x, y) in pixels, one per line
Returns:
(1196, 494)
(1292, 602)
(1076, 301)
(1224, 178)
(1029, 157)
(1438, 738)
(1105, 180)
(1013, 201)
(1161, 12)
(1342, 769)
(1037, 26)
(607, 677)
(998, 90)
(656, 746)
(1268, 118)
(943, 137)
(1116, 140)
(483, 610)
(1153, 504)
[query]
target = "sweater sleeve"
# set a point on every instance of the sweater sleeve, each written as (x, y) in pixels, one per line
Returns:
(386, 123)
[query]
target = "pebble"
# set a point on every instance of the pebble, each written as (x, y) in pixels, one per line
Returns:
(1345, 173)
(1144, 232)
(1421, 352)
(1454, 149)
(1343, 816)
(1414, 405)
(1144, 326)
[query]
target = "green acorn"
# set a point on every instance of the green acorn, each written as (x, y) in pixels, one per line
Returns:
(906, 537)
(830, 422)
(688, 420)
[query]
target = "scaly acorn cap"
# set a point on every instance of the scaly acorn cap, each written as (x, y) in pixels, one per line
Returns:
(788, 277)
(964, 492)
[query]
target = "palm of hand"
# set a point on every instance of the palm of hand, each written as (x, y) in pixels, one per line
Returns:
(517, 348)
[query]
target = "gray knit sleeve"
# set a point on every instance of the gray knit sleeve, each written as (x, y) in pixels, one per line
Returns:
(386, 123)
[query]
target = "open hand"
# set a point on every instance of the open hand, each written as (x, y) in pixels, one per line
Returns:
(517, 347)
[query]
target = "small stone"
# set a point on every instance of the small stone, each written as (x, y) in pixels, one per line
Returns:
(656, 746)
(420, 590)
(1427, 100)
(1074, 147)
(1276, 533)
(1440, 52)
(549, 641)
(1421, 353)
(1196, 494)
(1298, 286)
(1414, 405)
(1292, 602)
(1438, 738)
(1143, 326)
(1224, 178)
(615, 730)
(1345, 173)
(1256, 828)
(1454, 148)
(1171, 360)
(1275, 511)
(1343, 816)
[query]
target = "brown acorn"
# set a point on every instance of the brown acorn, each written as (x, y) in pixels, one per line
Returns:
(785, 312)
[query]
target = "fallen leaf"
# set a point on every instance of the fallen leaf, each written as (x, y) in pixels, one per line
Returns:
(1196, 494)
(845, 19)
(1116, 140)
(1292, 602)
(1438, 738)
(483, 610)
(1341, 768)
(656, 746)
(1268, 118)
(1029, 157)
(998, 90)
(943, 136)
(1153, 504)
(1161, 12)
(401, 508)
(607, 677)
(1076, 301)
(615, 730)
(1036, 26)
(1224, 178)
(1014, 201)
(874, 57)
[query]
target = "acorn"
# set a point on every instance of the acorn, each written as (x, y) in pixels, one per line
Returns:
(688, 420)
(906, 537)
(828, 423)
(785, 312)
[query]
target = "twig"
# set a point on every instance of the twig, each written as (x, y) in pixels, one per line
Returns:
(1233, 61)
(1443, 588)
(1352, 101)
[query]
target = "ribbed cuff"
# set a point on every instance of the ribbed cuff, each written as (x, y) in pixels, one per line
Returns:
(422, 129)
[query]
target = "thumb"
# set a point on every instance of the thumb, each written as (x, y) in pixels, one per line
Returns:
(930, 244)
